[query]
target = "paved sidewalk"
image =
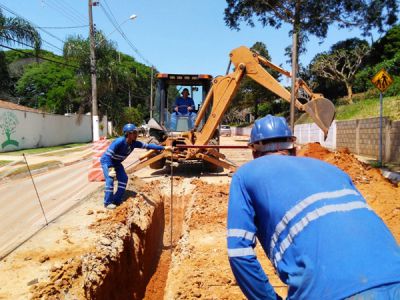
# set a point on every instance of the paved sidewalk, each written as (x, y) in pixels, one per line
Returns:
(391, 172)
(62, 157)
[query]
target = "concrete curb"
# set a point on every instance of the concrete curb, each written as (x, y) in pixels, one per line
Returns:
(392, 176)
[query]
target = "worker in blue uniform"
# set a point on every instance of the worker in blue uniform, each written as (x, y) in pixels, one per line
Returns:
(111, 163)
(321, 236)
(184, 106)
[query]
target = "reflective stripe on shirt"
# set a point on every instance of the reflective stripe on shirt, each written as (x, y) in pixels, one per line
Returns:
(241, 252)
(241, 233)
(312, 216)
(297, 209)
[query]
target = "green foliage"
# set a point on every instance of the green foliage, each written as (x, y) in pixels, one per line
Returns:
(130, 115)
(49, 86)
(365, 108)
(340, 64)
(121, 81)
(276, 107)
(392, 66)
(386, 47)
(250, 93)
(313, 17)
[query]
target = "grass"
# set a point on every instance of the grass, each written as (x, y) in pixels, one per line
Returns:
(368, 108)
(4, 162)
(47, 149)
(24, 169)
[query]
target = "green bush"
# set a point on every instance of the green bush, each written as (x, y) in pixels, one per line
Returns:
(130, 115)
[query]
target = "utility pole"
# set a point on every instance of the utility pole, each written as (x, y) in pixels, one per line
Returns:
(95, 114)
(151, 93)
(296, 29)
(294, 72)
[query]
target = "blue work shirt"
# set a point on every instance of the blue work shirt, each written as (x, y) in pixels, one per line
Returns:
(315, 227)
(183, 104)
(119, 150)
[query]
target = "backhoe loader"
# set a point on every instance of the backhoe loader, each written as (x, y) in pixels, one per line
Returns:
(215, 104)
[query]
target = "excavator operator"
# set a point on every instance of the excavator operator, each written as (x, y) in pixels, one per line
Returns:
(321, 236)
(184, 106)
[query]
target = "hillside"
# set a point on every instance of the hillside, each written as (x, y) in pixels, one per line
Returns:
(367, 108)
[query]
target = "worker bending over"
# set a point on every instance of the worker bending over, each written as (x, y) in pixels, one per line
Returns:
(111, 163)
(321, 236)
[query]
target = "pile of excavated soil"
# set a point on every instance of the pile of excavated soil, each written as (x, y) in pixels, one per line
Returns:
(381, 194)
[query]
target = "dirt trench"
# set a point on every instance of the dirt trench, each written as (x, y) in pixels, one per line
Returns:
(136, 254)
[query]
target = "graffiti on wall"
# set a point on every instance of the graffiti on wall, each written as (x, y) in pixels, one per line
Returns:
(8, 126)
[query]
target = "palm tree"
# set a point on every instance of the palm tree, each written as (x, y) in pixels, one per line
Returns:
(18, 30)
(12, 31)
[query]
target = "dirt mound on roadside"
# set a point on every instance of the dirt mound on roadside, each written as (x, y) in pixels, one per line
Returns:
(382, 195)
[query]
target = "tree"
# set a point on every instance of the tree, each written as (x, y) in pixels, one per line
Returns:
(251, 93)
(386, 47)
(12, 31)
(312, 17)
(342, 63)
(50, 86)
(119, 76)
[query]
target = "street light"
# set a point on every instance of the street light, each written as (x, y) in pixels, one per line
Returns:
(132, 17)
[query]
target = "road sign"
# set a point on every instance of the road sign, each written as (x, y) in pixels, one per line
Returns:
(382, 80)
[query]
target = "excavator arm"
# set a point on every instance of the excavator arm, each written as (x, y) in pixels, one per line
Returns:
(248, 63)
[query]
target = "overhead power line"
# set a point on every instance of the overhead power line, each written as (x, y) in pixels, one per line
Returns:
(27, 45)
(35, 25)
(66, 10)
(41, 57)
(113, 22)
(62, 27)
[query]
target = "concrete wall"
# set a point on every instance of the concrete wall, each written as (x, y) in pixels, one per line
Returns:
(309, 133)
(361, 137)
(241, 130)
(22, 129)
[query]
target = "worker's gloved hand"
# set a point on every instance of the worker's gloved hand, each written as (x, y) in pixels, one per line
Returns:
(111, 172)
(169, 148)
(190, 108)
(176, 108)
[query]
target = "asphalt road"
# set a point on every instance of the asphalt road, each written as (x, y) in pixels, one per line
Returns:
(58, 189)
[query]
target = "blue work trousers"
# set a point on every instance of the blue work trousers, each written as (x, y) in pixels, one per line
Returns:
(122, 178)
(174, 119)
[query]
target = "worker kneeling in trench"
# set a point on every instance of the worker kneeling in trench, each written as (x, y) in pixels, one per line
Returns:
(111, 163)
(323, 239)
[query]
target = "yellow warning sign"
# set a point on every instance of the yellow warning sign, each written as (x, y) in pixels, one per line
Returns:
(382, 80)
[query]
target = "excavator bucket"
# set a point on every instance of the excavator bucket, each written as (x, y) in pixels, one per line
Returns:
(322, 111)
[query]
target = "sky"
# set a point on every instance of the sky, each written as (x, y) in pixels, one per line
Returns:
(174, 36)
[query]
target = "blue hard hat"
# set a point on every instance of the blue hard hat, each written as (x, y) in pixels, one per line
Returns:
(270, 127)
(129, 128)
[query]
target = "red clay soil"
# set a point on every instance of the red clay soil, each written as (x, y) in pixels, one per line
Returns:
(199, 267)
(382, 195)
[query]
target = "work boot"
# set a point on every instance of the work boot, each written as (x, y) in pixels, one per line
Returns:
(111, 206)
